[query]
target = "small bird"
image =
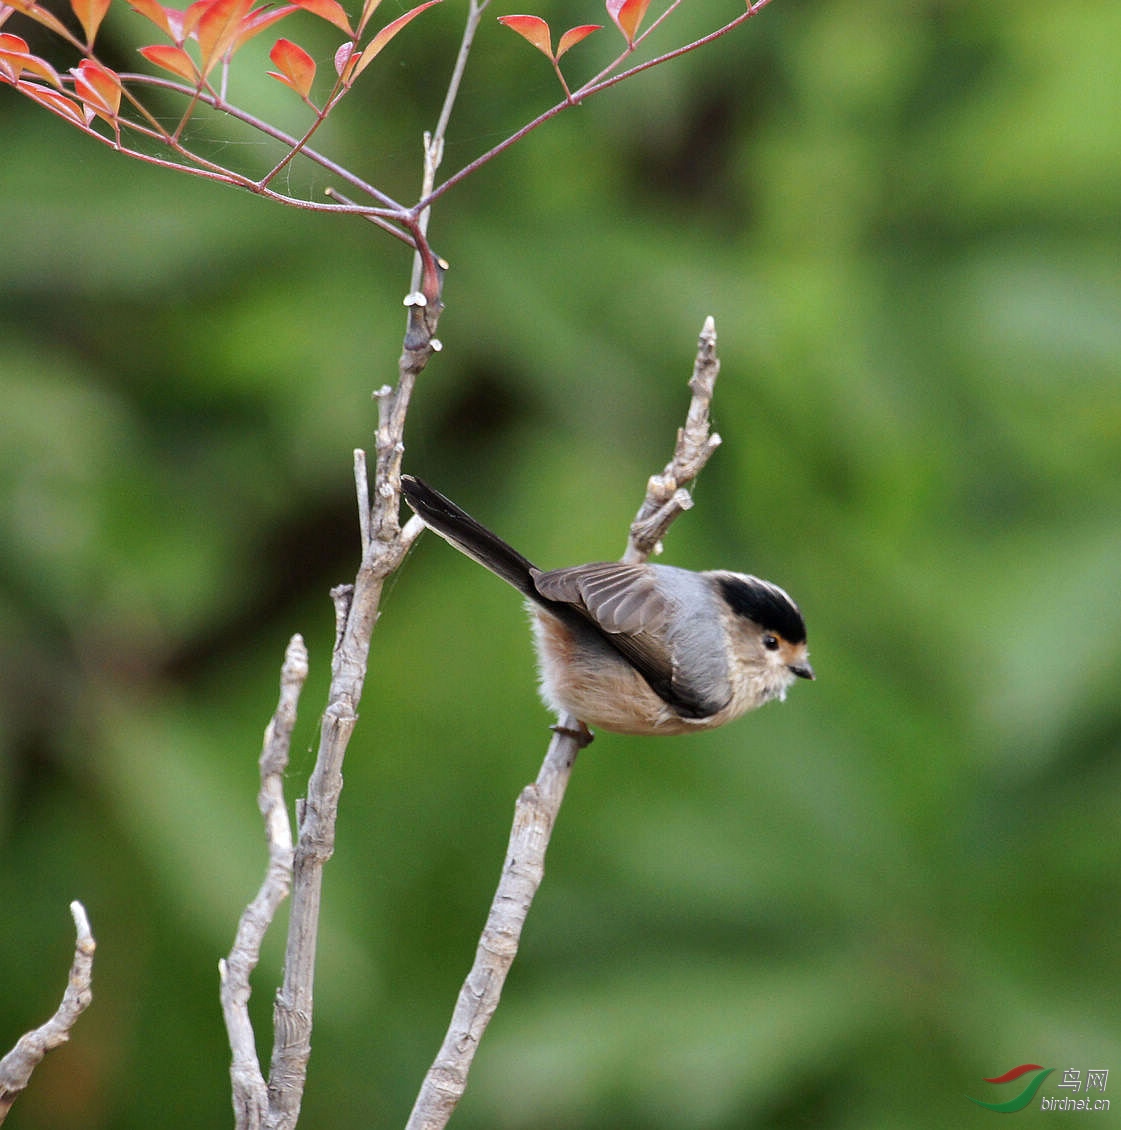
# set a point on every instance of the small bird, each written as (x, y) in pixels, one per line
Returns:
(641, 649)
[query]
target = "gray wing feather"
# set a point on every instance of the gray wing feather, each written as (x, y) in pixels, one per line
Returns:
(620, 598)
(636, 612)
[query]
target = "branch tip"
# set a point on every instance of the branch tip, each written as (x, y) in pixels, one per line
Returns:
(85, 939)
(539, 803)
(18, 1065)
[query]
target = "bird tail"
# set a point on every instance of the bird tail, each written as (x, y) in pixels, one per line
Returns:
(468, 536)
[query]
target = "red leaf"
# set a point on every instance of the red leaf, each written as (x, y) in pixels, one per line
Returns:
(57, 103)
(374, 47)
(574, 35)
(99, 88)
(16, 59)
(627, 15)
(533, 29)
(329, 10)
(218, 29)
(296, 66)
(173, 59)
(90, 13)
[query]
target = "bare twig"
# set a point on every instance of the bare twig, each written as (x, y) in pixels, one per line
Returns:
(356, 611)
(666, 496)
(434, 141)
(316, 815)
(16, 1067)
(250, 1094)
(522, 872)
(539, 804)
(384, 545)
(362, 489)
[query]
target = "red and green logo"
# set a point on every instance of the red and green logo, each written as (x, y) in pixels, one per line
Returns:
(1025, 1096)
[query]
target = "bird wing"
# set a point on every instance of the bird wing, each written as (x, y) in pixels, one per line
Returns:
(632, 611)
(619, 598)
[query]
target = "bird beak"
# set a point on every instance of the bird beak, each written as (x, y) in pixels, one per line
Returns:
(803, 670)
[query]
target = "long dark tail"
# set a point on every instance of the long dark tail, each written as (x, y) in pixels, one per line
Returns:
(468, 536)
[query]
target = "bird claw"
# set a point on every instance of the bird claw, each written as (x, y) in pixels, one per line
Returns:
(580, 734)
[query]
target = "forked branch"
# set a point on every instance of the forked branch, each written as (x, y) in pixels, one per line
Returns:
(538, 806)
(250, 1092)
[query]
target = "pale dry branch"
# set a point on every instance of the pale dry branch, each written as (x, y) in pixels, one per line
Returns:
(666, 494)
(538, 806)
(250, 1093)
(362, 490)
(522, 872)
(17, 1066)
(384, 544)
(356, 612)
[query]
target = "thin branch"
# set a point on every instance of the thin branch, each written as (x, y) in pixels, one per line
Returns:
(390, 212)
(340, 88)
(16, 1067)
(356, 613)
(588, 90)
(632, 47)
(666, 496)
(474, 18)
(522, 872)
(220, 174)
(269, 130)
(538, 806)
(372, 215)
(250, 1094)
(316, 815)
(434, 141)
(362, 490)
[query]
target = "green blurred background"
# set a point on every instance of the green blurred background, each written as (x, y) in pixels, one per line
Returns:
(844, 911)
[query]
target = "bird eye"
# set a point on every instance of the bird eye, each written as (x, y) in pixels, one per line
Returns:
(770, 642)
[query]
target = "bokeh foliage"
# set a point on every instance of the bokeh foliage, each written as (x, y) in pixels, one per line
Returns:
(841, 912)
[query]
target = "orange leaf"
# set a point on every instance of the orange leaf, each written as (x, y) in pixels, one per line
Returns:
(260, 19)
(533, 29)
(296, 66)
(15, 59)
(627, 15)
(369, 7)
(57, 103)
(99, 88)
(173, 59)
(574, 35)
(39, 14)
(157, 13)
(90, 13)
(374, 47)
(329, 10)
(218, 29)
(185, 23)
